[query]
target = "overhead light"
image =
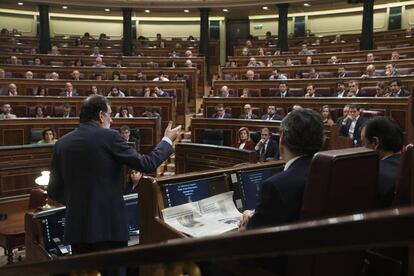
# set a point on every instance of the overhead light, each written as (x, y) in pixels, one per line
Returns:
(147, 11)
(20, 3)
(265, 8)
(186, 11)
(307, 5)
(107, 10)
(225, 10)
(64, 7)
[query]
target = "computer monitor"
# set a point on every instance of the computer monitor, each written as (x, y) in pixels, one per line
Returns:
(131, 205)
(189, 191)
(52, 224)
(247, 186)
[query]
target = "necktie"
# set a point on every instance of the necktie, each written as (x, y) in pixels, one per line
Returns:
(263, 153)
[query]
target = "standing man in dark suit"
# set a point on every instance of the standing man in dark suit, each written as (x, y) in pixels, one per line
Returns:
(385, 137)
(280, 200)
(271, 114)
(351, 124)
(267, 149)
(284, 91)
(85, 176)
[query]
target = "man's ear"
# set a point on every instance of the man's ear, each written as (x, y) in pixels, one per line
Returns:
(375, 142)
(101, 119)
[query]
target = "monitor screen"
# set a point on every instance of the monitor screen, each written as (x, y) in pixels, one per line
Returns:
(53, 225)
(53, 229)
(131, 205)
(183, 192)
(250, 184)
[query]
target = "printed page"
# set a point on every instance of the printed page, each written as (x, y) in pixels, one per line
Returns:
(188, 219)
(221, 208)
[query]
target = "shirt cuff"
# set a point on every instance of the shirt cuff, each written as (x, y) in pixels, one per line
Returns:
(166, 139)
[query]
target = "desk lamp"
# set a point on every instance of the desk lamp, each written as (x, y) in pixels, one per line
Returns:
(43, 181)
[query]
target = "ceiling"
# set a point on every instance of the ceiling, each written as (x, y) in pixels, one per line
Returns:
(236, 8)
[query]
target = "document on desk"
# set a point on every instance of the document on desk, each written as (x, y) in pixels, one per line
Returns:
(209, 216)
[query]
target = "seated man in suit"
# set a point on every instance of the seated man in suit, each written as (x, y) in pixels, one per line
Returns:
(354, 90)
(345, 112)
(271, 114)
(310, 92)
(224, 91)
(67, 111)
(266, 149)
(248, 114)
(7, 112)
(340, 90)
(283, 91)
(12, 90)
(396, 90)
(280, 200)
(351, 124)
(391, 70)
(126, 134)
(76, 75)
(385, 137)
(221, 113)
(69, 91)
(158, 92)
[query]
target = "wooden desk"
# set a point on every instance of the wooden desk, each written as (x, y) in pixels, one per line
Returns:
(12, 233)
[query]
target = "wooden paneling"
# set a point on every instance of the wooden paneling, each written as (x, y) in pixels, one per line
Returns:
(191, 157)
(21, 105)
(20, 165)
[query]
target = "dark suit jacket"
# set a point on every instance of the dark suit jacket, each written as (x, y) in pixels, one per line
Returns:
(389, 169)
(273, 118)
(253, 117)
(402, 93)
(288, 94)
(85, 176)
(344, 95)
(272, 150)
(361, 93)
(344, 129)
(74, 93)
(226, 115)
(71, 114)
(280, 198)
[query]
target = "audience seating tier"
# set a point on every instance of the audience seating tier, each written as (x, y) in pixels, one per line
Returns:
(22, 164)
(132, 88)
(337, 47)
(23, 106)
(269, 88)
(128, 61)
(396, 108)
(190, 75)
(355, 70)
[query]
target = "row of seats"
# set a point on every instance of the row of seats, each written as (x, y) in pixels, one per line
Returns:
(370, 91)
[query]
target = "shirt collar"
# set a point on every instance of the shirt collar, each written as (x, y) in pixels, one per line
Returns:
(290, 162)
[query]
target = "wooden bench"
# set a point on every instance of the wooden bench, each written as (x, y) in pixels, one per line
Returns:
(23, 106)
(177, 88)
(191, 157)
(354, 69)
(396, 108)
